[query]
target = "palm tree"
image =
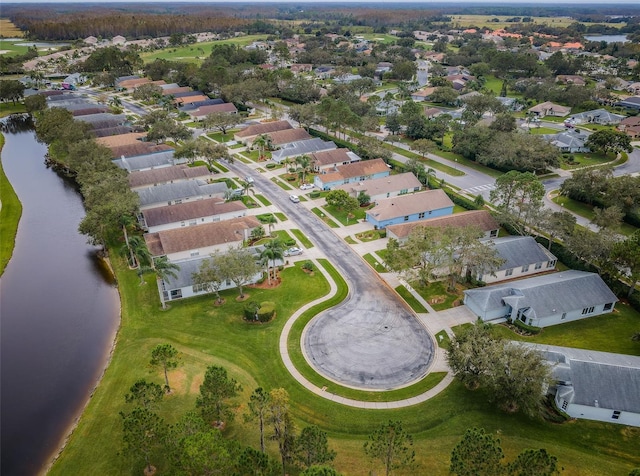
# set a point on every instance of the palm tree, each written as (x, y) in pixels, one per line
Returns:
(304, 165)
(262, 143)
(272, 251)
(116, 102)
(246, 186)
(164, 270)
(270, 220)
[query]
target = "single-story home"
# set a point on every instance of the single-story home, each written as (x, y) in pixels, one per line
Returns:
(101, 120)
(630, 126)
(148, 161)
(203, 111)
(571, 141)
(571, 79)
(287, 136)
(597, 116)
(549, 109)
(171, 174)
(481, 219)
(122, 139)
(249, 133)
(73, 80)
(140, 148)
(192, 213)
(195, 105)
(632, 102)
(522, 255)
(383, 187)
(111, 131)
(193, 97)
(181, 192)
(544, 300)
(329, 159)
(409, 208)
(422, 94)
(183, 286)
(349, 173)
(182, 243)
(303, 147)
(593, 385)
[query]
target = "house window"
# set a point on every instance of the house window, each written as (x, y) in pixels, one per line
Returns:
(493, 233)
(508, 272)
(362, 177)
(430, 212)
(616, 415)
(182, 223)
(406, 218)
(178, 201)
(193, 222)
(199, 288)
(551, 264)
(346, 180)
(525, 268)
(195, 253)
(587, 310)
(421, 215)
(176, 293)
(404, 191)
(538, 265)
(564, 316)
(565, 404)
(608, 306)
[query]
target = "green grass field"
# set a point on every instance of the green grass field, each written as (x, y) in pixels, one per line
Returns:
(586, 211)
(10, 214)
(197, 52)
(487, 21)
(205, 335)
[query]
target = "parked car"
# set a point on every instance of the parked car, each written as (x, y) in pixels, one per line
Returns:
(294, 198)
(306, 186)
(248, 179)
(293, 252)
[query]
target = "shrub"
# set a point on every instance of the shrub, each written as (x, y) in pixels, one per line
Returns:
(267, 311)
(525, 327)
(315, 194)
(271, 165)
(250, 310)
(308, 265)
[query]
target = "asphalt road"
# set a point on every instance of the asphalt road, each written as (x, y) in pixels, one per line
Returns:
(371, 340)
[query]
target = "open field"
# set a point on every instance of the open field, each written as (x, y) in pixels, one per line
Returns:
(489, 21)
(197, 52)
(205, 335)
(10, 214)
(9, 30)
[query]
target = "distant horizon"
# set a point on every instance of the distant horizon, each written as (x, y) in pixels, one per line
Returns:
(532, 3)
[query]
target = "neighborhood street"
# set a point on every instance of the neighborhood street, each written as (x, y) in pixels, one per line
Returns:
(371, 340)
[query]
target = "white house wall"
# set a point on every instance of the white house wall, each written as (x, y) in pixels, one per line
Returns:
(518, 273)
(569, 316)
(188, 291)
(600, 414)
(200, 252)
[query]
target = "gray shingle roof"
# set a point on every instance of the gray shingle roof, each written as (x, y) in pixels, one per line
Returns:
(612, 386)
(380, 186)
(167, 174)
(547, 295)
(190, 211)
(158, 159)
(520, 250)
(181, 190)
(303, 147)
(105, 116)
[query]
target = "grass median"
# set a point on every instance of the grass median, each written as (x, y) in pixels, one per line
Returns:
(10, 213)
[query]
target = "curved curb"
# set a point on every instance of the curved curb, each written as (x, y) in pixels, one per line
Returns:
(288, 363)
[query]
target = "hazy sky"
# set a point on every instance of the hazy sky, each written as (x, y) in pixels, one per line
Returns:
(532, 2)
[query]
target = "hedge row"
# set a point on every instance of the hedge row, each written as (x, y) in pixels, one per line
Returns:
(262, 312)
(338, 142)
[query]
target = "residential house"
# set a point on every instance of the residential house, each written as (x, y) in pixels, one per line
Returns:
(73, 80)
(287, 136)
(571, 141)
(181, 192)
(593, 385)
(632, 102)
(175, 90)
(249, 133)
(298, 68)
(409, 208)
(544, 300)
(460, 81)
(346, 78)
(183, 286)
(172, 174)
(203, 111)
(122, 139)
(630, 126)
(102, 120)
(422, 94)
(327, 160)
(634, 88)
(148, 161)
(349, 173)
(433, 112)
(480, 219)
(549, 109)
(118, 40)
(91, 40)
(304, 147)
(192, 213)
(571, 79)
(194, 97)
(183, 243)
(522, 255)
(383, 187)
(596, 116)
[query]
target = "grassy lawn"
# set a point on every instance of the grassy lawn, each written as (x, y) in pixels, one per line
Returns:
(262, 199)
(428, 163)
(457, 158)
(410, 299)
(542, 130)
(197, 52)
(207, 335)
(375, 264)
(220, 137)
(7, 108)
(10, 214)
(350, 240)
(302, 239)
(281, 184)
(586, 211)
(438, 296)
(443, 339)
(249, 202)
(343, 217)
(281, 216)
(323, 216)
(584, 160)
(606, 333)
(241, 158)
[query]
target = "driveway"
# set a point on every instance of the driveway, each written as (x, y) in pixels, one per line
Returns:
(371, 340)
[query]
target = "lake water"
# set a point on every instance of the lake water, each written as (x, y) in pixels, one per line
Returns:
(60, 312)
(38, 44)
(607, 38)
